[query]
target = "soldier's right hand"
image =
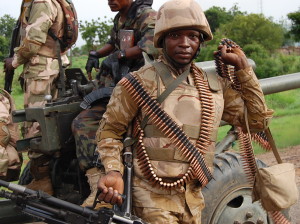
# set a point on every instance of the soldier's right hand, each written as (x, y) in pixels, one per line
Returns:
(111, 187)
(92, 62)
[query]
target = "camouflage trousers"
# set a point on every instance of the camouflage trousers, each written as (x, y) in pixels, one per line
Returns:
(156, 205)
(40, 76)
(84, 128)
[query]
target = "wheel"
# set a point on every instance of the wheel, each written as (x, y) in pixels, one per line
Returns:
(228, 196)
(25, 177)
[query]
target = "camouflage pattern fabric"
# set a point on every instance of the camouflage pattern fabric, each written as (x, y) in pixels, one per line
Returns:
(84, 128)
(37, 18)
(38, 53)
(228, 106)
(143, 26)
(10, 160)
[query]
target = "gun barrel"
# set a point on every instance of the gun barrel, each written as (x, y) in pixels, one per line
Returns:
(280, 83)
(269, 85)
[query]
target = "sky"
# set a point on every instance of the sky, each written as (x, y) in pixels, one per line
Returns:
(93, 9)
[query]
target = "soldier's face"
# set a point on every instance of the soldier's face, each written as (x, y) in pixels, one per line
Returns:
(118, 5)
(182, 45)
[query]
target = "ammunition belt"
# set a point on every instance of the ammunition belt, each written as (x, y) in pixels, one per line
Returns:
(227, 71)
(193, 153)
(246, 149)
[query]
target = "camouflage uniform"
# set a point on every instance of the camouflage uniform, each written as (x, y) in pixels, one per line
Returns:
(143, 26)
(38, 53)
(184, 204)
(10, 160)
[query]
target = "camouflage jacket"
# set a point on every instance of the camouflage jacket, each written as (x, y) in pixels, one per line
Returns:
(37, 18)
(228, 105)
(8, 155)
(142, 22)
(184, 106)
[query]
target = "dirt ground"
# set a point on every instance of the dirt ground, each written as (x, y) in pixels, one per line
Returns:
(291, 155)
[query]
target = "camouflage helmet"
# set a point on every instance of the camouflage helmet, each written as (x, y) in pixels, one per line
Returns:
(176, 14)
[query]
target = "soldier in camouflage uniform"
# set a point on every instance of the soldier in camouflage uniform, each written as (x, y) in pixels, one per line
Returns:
(10, 160)
(38, 55)
(164, 189)
(135, 16)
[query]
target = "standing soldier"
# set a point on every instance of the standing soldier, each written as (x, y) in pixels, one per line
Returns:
(176, 138)
(132, 34)
(40, 20)
(10, 160)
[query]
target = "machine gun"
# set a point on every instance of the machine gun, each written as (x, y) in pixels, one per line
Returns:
(53, 210)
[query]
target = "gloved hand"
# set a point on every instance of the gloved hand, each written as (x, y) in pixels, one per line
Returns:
(110, 61)
(110, 65)
(92, 62)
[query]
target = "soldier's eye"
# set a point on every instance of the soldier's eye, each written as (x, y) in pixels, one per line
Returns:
(173, 35)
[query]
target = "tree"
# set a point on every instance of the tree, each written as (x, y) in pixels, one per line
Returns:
(295, 29)
(96, 32)
(254, 28)
(217, 16)
(7, 24)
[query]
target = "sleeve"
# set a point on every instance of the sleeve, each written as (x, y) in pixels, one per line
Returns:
(250, 97)
(42, 15)
(146, 23)
(4, 109)
(112, 38)
(120, 111)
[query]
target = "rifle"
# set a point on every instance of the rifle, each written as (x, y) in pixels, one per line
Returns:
(9, 74)
(53, 210)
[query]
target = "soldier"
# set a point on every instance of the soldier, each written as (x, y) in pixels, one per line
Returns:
(169, 166)
(38, 55)
(10, 160)
(132, 34)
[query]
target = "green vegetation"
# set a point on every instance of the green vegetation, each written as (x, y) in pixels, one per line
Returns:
(295, 29)
(7, 24)
(285, 125)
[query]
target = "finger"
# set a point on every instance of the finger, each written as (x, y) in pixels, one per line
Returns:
(120, 200)
(102, 194)
(108, 197)
(115, 197)
(220, 47)
(223, 51)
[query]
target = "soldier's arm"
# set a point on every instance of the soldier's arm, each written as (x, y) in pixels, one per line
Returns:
(40, 20)
(119, 113)
(251, 97)
(147, 20)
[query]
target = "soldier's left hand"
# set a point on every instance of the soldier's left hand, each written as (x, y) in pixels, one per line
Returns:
(233, 56)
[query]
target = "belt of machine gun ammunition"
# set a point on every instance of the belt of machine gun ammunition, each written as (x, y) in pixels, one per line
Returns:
(170, 128)
(227, 71)
(248, 158)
